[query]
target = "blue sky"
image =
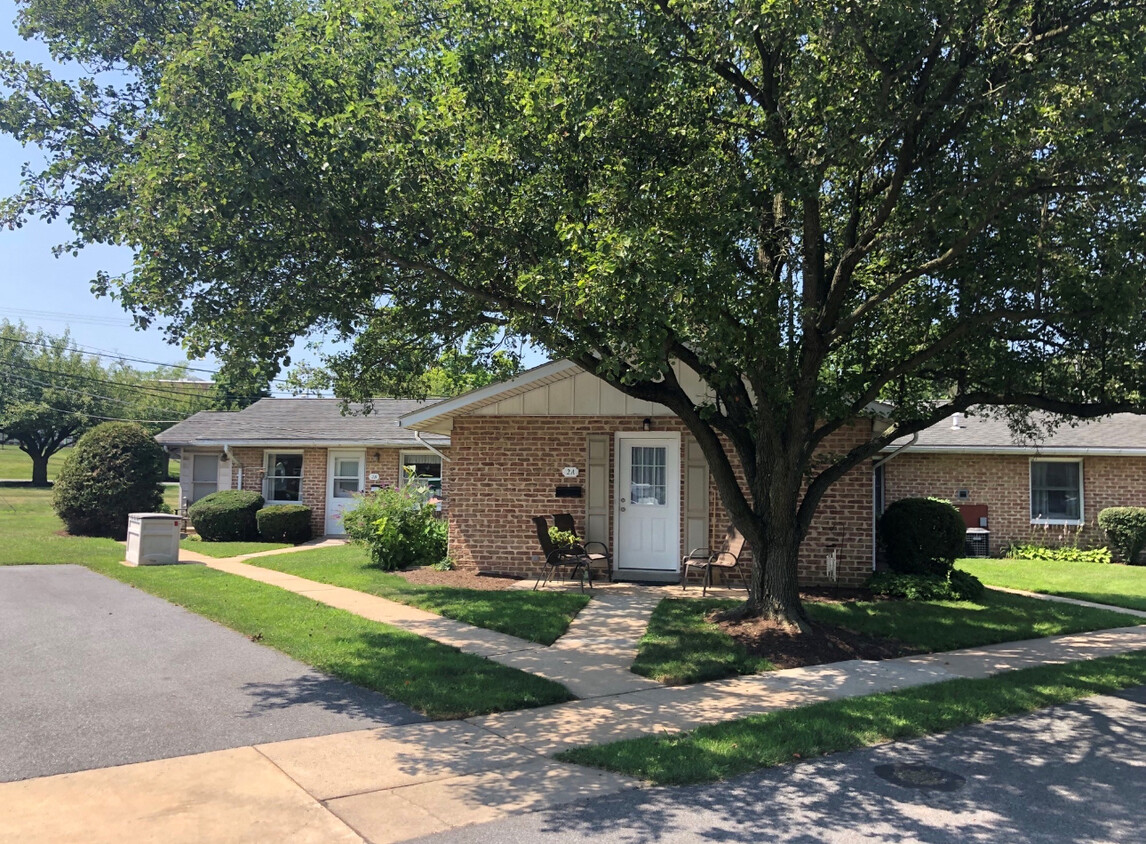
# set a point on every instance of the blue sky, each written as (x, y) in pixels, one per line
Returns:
(54, 293)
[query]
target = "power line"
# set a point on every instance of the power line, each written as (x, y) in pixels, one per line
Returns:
(151, 391)
(114, 418)
(98, 353)
(58, 316)
(72, 390)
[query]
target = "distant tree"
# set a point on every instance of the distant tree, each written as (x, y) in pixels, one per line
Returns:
(49, 394)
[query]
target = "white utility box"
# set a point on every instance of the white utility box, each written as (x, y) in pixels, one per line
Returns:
(153, 539)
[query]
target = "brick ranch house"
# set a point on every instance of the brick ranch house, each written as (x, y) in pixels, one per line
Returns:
(558, 439)
(303, 451)
(1049, 492)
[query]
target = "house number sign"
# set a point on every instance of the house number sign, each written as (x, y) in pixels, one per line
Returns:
(570, 472)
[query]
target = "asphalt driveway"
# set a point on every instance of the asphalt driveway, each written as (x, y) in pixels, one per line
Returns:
(95, 673)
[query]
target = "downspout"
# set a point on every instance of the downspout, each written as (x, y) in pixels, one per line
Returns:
(874, 480)
(428, 447)
(231, 457)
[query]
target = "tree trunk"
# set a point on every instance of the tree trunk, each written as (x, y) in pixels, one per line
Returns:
(774, 589)
(39, 469)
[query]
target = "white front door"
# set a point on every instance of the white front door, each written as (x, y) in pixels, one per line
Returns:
(648, 502)
(344, 479)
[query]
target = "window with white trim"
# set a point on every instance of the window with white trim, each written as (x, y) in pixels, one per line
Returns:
(283, 481)
(1056, 492)
(427, 468)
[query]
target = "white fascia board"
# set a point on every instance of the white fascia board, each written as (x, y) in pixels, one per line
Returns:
(309, 444)
(483, 395)
(1064, 451)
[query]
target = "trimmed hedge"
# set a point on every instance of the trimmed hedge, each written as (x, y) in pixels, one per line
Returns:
(1126, 529)
(227, 516)
(957, 585)
(115, 469)
(284, 523)
(922, 535)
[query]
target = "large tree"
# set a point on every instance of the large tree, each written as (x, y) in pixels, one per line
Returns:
(814, 205)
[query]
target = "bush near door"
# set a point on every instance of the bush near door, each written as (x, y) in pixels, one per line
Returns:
(284, 523)
(922, 535)
(227, 516)
(399, 527)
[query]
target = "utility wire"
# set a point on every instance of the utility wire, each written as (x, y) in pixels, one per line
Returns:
(151, 391)
(27, 380)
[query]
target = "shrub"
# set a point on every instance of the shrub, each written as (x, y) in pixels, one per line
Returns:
(1126, 529)
(115, 469)
(398, 527)
(226, 516)
(922, 535)
(284, 523)
(564, 538)
(956, 585)
(1061, 554)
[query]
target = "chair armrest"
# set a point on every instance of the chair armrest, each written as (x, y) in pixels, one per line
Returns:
(604, 547)
(699, 554)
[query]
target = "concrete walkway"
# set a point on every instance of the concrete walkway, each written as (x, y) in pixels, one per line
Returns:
(591, 660)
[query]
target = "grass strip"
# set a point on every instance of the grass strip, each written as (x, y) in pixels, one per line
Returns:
(221, 550)
(935, 626)
(436, 680)
(1116, 585)
(720, 751)
(680, 647)
(534, 616)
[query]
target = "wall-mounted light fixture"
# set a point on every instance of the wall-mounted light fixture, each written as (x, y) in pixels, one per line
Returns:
(647, 425)
(377, 456)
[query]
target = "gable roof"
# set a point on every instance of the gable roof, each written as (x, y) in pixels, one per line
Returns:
(294, 422)
(1121, 433)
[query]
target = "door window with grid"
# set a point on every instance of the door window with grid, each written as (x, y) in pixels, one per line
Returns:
(647, 475)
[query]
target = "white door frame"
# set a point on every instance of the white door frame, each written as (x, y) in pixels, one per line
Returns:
(672, 496)
(328, 491)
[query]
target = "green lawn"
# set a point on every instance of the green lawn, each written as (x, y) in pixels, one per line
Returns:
(15, 465)
(681, 647)
(533, 616)
(230, 549)
(437, 680)
(720, 751)
(1117, 585)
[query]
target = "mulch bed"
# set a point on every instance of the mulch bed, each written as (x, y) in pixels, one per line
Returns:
(785, 647)
(457, 579)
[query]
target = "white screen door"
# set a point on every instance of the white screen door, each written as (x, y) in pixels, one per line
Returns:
(204, 475)
(648, 502)
(344, 479)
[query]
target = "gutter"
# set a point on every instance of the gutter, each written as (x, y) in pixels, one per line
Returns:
(424, 444)
(874, 481)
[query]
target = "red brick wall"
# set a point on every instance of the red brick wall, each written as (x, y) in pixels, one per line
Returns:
(1002, 482)
(504, 470)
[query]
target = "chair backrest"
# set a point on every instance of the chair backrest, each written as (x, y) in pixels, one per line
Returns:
(542, 525)
(564, 521)
(731, 548)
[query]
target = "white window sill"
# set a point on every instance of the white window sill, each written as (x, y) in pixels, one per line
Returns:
(1057, 522)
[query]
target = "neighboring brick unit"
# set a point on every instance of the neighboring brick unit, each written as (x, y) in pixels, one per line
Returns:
(1002, 482)
(504, 470)
(386, 462)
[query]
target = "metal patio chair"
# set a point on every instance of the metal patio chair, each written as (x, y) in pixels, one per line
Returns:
(725, 558)
(572, 558)
(597, 552)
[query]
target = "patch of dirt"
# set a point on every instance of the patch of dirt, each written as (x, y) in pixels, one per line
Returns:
(457, 579)
(786, 647)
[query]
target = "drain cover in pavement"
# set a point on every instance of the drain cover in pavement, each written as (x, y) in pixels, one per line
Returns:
(923, 777)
